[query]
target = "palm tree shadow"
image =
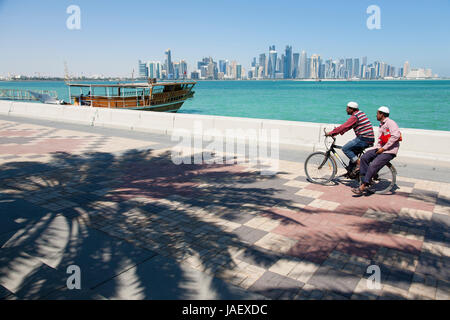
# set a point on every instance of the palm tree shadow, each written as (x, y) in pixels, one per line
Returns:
(110, 214)
(138, 226)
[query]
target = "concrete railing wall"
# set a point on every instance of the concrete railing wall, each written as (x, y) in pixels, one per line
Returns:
(425, 144)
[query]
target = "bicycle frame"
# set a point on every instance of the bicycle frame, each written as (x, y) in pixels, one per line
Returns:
(331, 150)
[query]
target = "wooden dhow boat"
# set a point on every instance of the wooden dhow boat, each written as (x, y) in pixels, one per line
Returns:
(150, 96)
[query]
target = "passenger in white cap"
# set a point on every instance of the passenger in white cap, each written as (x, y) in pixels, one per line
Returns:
(365, 137)
(374, 159)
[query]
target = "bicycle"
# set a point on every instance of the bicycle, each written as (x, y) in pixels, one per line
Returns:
(321, 168)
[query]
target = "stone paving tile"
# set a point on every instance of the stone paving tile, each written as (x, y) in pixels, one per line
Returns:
(26, 276)
(395, 277)
(434, 266)
(276, 286)
(423, 286)
(284, 266)
(393, 293)
(310, 292)
(436, 249)
(237, 217)
(262, 223)
(303, 271)
(380, 216)
(4, 293)
(443, 290)
(329, 279)
(258, 256)
(423, 195)
(365, 292)
(309, 193)
(409, 233)
(397, 259)
(276, 243)
(324, 204)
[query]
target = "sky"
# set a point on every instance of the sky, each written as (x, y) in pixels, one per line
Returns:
(114, 35)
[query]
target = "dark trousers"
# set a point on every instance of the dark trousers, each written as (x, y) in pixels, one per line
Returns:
(371, 163)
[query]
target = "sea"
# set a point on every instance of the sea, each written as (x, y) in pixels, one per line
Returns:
(420, 104)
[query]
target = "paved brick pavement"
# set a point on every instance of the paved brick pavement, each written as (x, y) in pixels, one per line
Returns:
(141, 227)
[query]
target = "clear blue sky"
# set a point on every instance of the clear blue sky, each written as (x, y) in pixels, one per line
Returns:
(115, 34)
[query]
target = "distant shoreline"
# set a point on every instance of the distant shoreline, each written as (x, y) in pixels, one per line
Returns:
(228, 80)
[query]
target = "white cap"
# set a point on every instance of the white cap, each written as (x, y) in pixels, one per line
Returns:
(384, 109)
(352, 105)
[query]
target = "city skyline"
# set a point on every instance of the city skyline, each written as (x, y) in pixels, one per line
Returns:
(113, 37)
(287, 65)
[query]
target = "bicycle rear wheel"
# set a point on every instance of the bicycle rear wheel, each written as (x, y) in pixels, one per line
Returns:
(384, 180)
(319, 168)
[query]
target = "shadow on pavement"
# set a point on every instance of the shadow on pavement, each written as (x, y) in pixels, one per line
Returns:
(131, 222)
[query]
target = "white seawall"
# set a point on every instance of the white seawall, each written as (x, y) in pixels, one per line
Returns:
(421, 144)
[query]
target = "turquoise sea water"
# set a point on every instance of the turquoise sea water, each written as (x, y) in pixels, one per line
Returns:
(413, 104)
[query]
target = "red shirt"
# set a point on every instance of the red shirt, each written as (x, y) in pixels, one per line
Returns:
(346, 126)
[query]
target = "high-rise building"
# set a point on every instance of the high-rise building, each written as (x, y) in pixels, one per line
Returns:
(383, 70)
(356, 68)
(315, 64)
(272, 67)
(308, 68)
(223, 66)
(349, 68)
(303, 65)
(183, 69)
(262, 62)
(295, 60)
(280, 64)
(287, 63)
(238, 71)
(168, 64)
(406, 69)
(143, 71)
(154, 69)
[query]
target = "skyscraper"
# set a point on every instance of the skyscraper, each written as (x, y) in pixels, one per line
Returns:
(168, 64)
(262, 62)
(287, 63)
(183, 69)
(315, 64)
(303, 65)
(223, 66)
(406, 69)
(238, 71)
(308, 69)
(154, 69)
(349, 68)
(272, 67)
(143, 71)
(356, 68)
(295, 60)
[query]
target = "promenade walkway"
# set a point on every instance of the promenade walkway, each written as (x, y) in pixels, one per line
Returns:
(140, 227)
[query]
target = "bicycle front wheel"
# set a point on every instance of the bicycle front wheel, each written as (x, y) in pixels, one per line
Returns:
(320, 168)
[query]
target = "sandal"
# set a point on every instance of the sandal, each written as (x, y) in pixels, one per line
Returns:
(357, 191)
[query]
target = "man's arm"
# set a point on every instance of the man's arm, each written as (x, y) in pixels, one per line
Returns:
(344, 127)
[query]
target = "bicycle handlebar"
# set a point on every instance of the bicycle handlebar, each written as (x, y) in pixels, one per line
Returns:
(325, 140)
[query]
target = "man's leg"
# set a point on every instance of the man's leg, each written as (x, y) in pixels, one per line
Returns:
(366, 159)
(347, 149)
(378, 163)
(350, 149)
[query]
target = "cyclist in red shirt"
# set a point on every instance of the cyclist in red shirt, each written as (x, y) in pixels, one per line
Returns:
(363, 129)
